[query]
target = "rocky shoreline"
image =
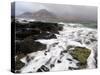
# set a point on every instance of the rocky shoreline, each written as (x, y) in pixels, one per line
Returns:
(56, 46)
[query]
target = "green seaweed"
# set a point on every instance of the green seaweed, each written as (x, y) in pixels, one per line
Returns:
(81, 54)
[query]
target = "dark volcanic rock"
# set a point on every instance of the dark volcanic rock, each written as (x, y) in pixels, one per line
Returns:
(44, 36)
(52, 65)
(29, 45)
(69, 59)
(72, 68)
(46, 26)
(39, 70)
(44, 30)
(23, 34)
(43, 26)
(19, 65)
(43, 68)
(27, 32)
(59, 61)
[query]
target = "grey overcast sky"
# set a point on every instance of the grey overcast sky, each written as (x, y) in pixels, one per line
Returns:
(58, 9)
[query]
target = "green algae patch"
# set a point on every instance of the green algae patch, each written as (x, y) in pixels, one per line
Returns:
(81, 54)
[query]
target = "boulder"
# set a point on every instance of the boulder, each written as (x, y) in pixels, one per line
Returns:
(43, 68)
(25, 32)
(19, 65)
(44, 36)
(29, 45)
(81, 54)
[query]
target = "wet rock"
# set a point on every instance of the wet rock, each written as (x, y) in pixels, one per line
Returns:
(43, 68)
(39, 70)
(82, 65)
(45, 53)
(93, 39)
(25, 32)
(28, 58)
(81, 54)
(30, 72)
(65, 51)
(60, 27)
(54, 44)
(72, 68)
(19, 65)
(21, 25)
(48, 36)
(46, 26)
(29, 45)
(96, 57)
(87, 42)
(38, 26)
(37, 30)
(44, 36)
(19, 56)
(59, 61)
(69, 47)
(69, 59)
(52, 65)
(17, 46)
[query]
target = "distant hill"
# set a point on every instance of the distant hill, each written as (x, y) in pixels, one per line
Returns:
(47, 16)
(41, 15)
(26, 15)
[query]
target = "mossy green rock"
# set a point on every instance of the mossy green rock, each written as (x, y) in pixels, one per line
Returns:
(81, 54)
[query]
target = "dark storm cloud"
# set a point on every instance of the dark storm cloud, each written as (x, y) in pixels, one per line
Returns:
(72, 11)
